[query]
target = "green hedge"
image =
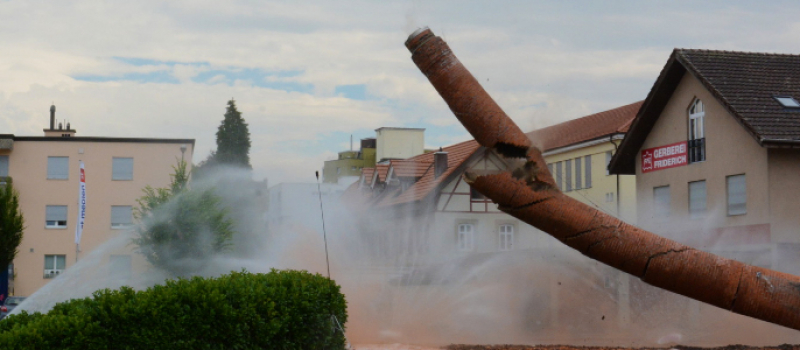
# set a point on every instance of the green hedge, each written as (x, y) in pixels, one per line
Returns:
(277, 310)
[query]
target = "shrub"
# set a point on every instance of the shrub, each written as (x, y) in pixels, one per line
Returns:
(277, 310)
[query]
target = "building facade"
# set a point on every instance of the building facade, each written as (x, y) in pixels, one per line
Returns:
(349, 163)
(578, 152)
(399, 143)
(389, 143)
(715, 154)
(45, 172)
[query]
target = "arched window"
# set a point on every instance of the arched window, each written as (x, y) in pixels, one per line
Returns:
(697, 133)
(466, 233)
(506, 237)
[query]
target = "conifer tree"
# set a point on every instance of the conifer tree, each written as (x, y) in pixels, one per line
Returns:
(233, 139)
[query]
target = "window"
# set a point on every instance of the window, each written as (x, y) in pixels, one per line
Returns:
(609, 197)
(3, 166)
(121, 168)
(57, 168)
(737, 195)
(568, 177)
(788, 101)
(697, 199)
(550, 167)
(661, 201)
(54, 265)
(578, 182)
(587, 162)
(559, 179)
(466, 233)
(697, 138)
(506, 237)
(119, 266)
(121, 216)
(55, 216)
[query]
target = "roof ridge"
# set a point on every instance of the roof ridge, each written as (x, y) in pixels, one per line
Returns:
(587, 116)
(682, 50)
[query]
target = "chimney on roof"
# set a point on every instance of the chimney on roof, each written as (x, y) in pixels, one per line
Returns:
(52, 117)
(439, 163)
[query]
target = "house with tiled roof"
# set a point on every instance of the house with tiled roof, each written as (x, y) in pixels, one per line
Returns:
(716, 153)
(422, 207)
(431, 184)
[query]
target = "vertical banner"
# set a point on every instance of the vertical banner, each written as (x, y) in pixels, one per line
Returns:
(81, 206)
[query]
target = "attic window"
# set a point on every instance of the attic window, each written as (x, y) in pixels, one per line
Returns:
(788, 101)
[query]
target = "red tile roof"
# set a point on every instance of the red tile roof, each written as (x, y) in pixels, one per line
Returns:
(576, 131)
(381, 170)
(411, 167)
(456, 155)
(591, 127)
(366, 174)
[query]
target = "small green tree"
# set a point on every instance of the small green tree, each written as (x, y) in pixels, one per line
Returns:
(11, 227)
(180, 227)
(233, 139)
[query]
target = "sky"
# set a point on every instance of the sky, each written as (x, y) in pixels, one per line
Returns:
(308, 74)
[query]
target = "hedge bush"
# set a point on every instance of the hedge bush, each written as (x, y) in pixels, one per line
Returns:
(277, 310)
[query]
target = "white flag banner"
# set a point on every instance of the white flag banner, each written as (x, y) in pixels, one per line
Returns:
(81, 206)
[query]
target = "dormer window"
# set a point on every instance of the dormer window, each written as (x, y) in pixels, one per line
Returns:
(788, 102)
(697, 138)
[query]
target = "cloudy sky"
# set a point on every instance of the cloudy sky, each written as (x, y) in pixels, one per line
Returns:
(308, 74)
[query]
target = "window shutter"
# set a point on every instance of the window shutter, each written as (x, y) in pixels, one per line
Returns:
(58, 168)
(588, 168)
(122, 169)
(559, 178)
(49, 262)
(121, 215)
(56, 213)
(661, 201)
(61, 262)
(568, 177)
(697, 198)
(737, 195)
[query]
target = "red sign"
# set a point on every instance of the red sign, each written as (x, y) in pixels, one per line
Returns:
(664, 157)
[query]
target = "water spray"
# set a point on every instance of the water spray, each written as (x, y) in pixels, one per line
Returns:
(335, 322)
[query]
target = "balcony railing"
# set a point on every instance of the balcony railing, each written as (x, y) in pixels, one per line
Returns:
(697, 150)
(52, 273)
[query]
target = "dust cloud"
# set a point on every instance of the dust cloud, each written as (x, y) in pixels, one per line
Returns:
(405, 282)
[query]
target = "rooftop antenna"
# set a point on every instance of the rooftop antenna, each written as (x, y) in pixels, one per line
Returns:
(324, 235)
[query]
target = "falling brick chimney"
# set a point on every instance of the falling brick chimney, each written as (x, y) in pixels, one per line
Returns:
(439, 163)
